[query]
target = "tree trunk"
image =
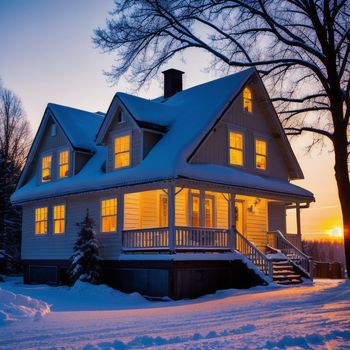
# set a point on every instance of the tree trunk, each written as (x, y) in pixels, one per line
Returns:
(342, 179)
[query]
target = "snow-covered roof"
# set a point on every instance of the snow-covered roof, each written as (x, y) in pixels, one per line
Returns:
(188, 116)
(79, 126)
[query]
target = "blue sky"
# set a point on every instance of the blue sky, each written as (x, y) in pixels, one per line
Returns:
(47, 56)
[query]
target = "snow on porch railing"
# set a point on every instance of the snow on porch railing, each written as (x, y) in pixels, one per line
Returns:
(199, 237)
(146, 239)
(278, 241)
(258, 258)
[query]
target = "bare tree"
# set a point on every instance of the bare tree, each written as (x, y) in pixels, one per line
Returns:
(15, 133)
(301, 49)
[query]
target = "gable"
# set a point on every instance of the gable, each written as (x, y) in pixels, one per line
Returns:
(261, 123)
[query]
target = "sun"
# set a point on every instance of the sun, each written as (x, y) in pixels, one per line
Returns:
(336, 232)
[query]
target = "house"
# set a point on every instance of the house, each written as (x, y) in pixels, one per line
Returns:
(188, 191)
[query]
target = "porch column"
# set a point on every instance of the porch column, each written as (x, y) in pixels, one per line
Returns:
(120, 216)
(297, 207)
(232, 221)
(202, 208)
(171, 218)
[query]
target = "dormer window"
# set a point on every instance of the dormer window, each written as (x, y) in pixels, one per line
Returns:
(260, 154)
(46, 164)
(122, 152)
(247, 100)
(63, 159)
(121, 116)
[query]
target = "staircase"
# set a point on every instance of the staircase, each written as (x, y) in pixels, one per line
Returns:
(284, 273)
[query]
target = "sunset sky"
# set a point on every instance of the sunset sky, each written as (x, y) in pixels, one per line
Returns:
(47, 56)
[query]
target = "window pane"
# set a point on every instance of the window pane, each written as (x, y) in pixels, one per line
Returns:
(195, 211)
(122, 144)
(260, 147)
(236, 140)
(261, 162)
(247, 93)
(46, 168)
(41, 220)
(247, 100)
(109, 215)
(163, 211)
(122, 151)
(122, 160)
(63, 163)
(208, 212)
(236, 157)
(59, 218)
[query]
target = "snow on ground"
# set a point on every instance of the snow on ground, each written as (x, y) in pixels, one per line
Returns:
(303, 317)
(14, 307)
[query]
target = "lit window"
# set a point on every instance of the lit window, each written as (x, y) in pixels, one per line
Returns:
(109, 215)
(46, 168)
(41, 221)
(236, 148)
(195, 211)
(58, 219)
(209, 212)
(260, 154)
(247, 100)
(63, 163)
(163, 211)
(122, 152)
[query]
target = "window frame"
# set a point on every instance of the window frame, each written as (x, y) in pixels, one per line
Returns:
(43, 155)
(114, 138)
(259, 138)
(47, 221)
(243, 133)
(59, 150)
(161, 197)
(244, 99)
(101, 217)
(201, 205)
(64, 219)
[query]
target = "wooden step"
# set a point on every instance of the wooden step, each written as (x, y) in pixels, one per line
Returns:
(291, 276)
(289, 282)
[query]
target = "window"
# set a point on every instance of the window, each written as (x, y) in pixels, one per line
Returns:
(63, 164)
(209, 212)
(121, 116)
(163, 210)
(236, 148)
(46, 168)
(195, 211)
(260, 154)
(247, 100)
(122, 152)
(59, 219)
(41, 221)
(53, 130)
(109, 215)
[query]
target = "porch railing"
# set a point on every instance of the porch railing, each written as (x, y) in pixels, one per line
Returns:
(278, 241)
(186, 238)
(257, 257)
(294, 239)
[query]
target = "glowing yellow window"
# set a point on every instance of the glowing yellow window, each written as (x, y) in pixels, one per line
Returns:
(41, 221)
(260, 154)
(59, 214)
(236, 148)
(163, 210)
(122, 151)
(46, 163)
(109, 215)
(63, 163)
(247, 100)
(209, 211)
(195, 211)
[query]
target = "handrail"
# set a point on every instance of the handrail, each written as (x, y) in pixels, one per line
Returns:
(293, 253)
(257, 257)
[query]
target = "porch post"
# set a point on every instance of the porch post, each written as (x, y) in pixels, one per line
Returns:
(171, 217)
(120, 217)
(202, 208)
(298, 219)
(232, 221)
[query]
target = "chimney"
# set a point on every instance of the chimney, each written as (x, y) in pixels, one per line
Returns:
(172, 82)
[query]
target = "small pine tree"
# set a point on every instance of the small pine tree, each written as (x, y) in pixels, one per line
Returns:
(85, 262)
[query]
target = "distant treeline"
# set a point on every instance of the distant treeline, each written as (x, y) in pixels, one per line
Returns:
(325, 250)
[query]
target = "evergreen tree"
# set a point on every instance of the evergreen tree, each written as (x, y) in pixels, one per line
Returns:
(85, 261)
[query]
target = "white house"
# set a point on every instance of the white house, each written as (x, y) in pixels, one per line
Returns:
(189, 191)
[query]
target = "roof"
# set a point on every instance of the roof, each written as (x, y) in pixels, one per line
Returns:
(188, 116)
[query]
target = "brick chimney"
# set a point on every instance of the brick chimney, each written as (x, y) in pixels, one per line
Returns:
(172, 82)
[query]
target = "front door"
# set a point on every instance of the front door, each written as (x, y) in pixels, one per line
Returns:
(240, 217)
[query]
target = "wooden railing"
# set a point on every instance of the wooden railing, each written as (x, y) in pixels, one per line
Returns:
(207, 238)
(186, 238)
(278, 241)
(294, 239)
(257, 257)
(146, 239)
